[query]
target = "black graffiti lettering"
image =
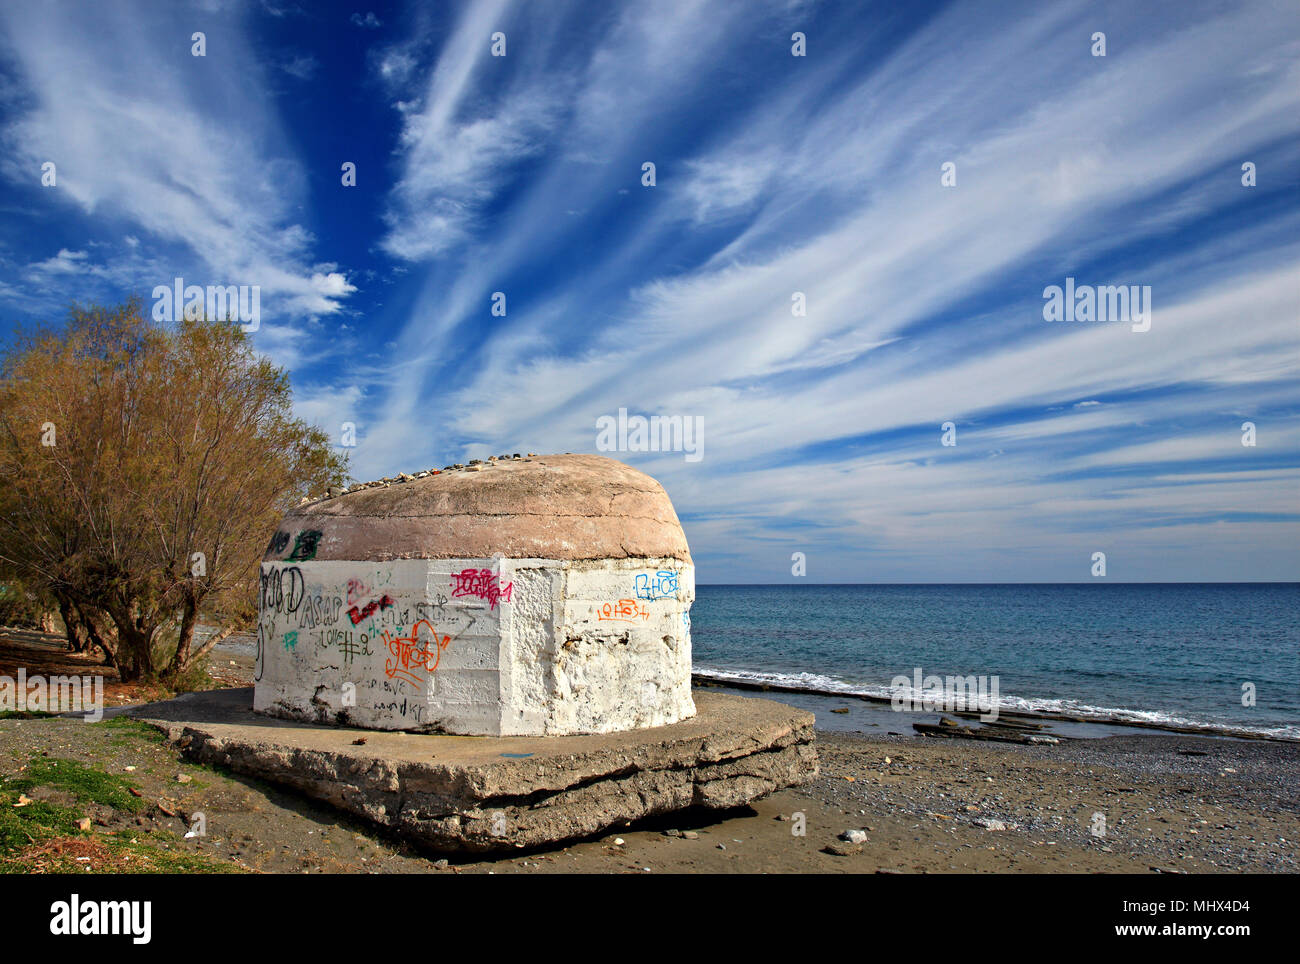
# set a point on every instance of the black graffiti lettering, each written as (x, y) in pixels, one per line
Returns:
(320, 609)
(257, 676)
(283, 589)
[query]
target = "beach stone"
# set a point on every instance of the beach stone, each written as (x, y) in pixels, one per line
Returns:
(854, 836)
(457, 793)
(840, 848)
(990, 824)
(546, 597)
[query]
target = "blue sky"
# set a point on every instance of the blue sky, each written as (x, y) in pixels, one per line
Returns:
(775, 174)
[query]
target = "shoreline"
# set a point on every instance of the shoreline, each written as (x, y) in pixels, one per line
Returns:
(231, 664)
(1171, 804)
(725, 680)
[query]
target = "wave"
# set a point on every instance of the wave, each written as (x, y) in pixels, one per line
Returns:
(818, 684)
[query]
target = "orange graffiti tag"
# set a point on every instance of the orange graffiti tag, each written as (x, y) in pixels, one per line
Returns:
(409, 654)
(625, 611)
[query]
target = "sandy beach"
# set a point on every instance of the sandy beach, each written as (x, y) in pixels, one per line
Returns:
(1168, 804)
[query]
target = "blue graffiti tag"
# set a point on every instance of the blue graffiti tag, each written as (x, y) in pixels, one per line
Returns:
(664, 585)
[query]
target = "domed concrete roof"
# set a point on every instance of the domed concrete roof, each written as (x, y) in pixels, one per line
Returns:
(541, 507)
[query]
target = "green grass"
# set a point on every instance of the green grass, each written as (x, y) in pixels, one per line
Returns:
(24, 829)
(84, 783)
(125, 726)
(34, 823)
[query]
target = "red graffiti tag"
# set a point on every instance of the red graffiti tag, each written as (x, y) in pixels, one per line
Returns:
(481, 584)
(409, 654)
(356, 615)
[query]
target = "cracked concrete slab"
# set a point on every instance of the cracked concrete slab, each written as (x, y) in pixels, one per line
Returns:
(461, 793)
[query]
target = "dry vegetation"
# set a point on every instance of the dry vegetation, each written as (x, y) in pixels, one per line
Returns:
(145, 466)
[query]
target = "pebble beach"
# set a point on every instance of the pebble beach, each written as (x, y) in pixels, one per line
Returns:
(1135, 802)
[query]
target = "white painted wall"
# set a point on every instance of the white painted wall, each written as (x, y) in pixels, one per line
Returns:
(569, 647)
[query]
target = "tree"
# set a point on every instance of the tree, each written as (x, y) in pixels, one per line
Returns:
(21, 606)
(147, 468)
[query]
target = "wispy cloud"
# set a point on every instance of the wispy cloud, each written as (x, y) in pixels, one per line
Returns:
(780, 180)
(303, 66)
(924, 303)
(182, 150)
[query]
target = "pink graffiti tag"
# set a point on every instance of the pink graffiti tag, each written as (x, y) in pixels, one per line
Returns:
(409, 654)
(481, 584)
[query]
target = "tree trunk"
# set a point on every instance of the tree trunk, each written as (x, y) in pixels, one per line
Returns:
(180, 660)
(212, 641)
(99, 637)
(72, 627)
(135, 642)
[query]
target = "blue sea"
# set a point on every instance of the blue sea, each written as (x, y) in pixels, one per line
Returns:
(1156, 653)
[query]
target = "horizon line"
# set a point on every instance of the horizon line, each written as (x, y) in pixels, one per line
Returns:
(1237, 582)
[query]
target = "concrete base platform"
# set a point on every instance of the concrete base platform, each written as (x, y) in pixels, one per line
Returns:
(466, 793)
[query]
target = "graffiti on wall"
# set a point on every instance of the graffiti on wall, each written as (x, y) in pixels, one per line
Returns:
(282, 590)
(660, 585)
(414, 642)
(409, 654)
(357, 614)
(625, 610)
(304, 545)
(381, 630)
(480, 584)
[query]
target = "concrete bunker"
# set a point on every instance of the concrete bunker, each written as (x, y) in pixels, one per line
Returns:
(517, 596)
